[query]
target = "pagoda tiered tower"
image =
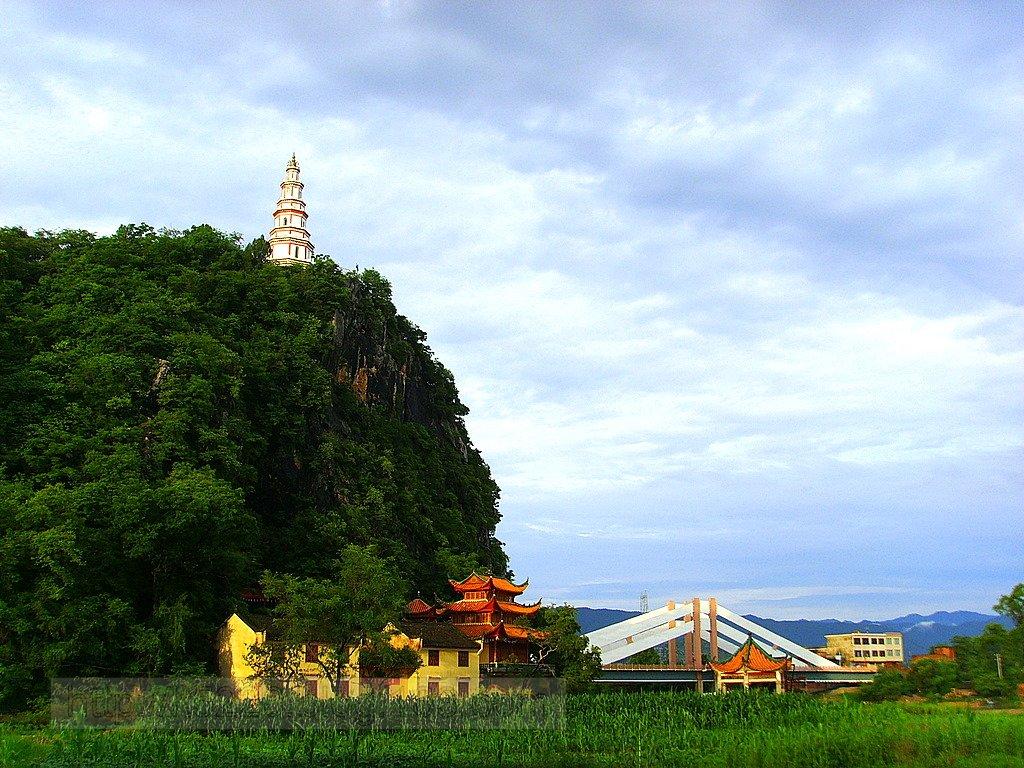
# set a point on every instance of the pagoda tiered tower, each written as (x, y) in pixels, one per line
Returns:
(487, 611)
(289, 238)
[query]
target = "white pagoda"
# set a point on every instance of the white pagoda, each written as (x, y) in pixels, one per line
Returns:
(289, 238)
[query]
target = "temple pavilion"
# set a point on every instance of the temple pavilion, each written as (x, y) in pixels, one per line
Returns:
(487, 610)
(750, 667)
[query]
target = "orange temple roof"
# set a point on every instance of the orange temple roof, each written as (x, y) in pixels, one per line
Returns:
(474, 583)
(501, 631)
(487, 606)
(417, 607)
(751, 657)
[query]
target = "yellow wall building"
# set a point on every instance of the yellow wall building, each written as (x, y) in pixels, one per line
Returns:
(450, 662)
(882, 649)
(238, 635)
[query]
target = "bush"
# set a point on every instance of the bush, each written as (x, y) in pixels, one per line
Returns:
(930, 677)
(888, 684)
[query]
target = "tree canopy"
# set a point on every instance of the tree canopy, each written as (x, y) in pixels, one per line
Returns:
(566, 649)
(177, 417)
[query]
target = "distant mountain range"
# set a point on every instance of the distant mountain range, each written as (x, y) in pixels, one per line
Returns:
(920, 633)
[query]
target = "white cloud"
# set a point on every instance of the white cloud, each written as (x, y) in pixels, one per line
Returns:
(682, 298)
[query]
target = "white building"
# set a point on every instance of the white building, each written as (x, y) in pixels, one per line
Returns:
(289, 238)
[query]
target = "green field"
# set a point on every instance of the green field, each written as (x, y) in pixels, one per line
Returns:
(654, 729)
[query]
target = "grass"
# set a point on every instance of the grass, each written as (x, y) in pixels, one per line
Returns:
(615, 729)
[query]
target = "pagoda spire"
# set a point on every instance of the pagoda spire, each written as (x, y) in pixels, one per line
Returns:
(289, 238)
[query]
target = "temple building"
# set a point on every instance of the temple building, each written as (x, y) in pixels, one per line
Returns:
(487, 610)
(289, 238)
(750, 667)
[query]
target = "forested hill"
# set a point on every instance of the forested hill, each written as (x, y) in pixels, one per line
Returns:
(177, 416)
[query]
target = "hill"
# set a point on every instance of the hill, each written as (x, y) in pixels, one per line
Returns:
(920, 633)
(178, 416)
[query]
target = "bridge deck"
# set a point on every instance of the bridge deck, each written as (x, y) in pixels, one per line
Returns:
(632, 674)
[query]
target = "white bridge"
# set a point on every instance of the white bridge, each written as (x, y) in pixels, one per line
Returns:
(712, 623)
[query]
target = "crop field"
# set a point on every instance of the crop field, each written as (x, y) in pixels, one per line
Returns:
(649, 729)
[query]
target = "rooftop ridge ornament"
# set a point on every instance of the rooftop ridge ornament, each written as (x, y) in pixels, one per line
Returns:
(289, 239)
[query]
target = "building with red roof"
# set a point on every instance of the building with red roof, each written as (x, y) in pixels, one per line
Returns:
(487, 611)
(750, 666)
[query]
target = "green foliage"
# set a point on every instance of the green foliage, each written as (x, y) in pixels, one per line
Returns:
(382, 659)
(926, 677)
(1012, 605)
(609, 730)
(976, 660)
(650, 657)
(931, 677)
(888, 685)
(179, 417)
(976, 656)
(340, 614)
(566, 649)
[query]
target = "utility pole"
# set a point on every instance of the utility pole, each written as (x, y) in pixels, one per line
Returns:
(643, 603)
(999, 665)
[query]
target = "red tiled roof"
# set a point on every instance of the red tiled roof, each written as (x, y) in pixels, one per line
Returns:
(437, 634)
(501, 631)
(486, 606)
(471, 606)
(417, 607)
(751, 657)
(522, 633)
(474, 582)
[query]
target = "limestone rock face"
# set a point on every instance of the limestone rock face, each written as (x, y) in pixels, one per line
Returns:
(385, 362)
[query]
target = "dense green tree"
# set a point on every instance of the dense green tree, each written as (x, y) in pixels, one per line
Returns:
(177, 417)
(979, 658)
(566, 649)
(888, 684)
(976, 659)
(932, 677)
(1012, 605)
(341, 615)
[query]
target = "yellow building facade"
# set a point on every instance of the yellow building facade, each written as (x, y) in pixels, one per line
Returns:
(858, 649)
(238, 635)
(450, 663)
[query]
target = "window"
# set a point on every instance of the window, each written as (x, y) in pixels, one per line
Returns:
(433, 658)
(312, 652)
(463, 658)
(463, 687)
(857, 653)
(433, 687)
(856, 641)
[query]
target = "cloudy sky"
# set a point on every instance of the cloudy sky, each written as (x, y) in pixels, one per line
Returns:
(733, 291)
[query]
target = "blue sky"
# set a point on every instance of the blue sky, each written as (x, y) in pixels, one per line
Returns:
(733, 291)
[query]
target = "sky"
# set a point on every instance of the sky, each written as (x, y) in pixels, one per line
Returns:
(733, 291)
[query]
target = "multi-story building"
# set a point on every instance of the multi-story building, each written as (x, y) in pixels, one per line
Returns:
(487, 611)
(857, 649)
